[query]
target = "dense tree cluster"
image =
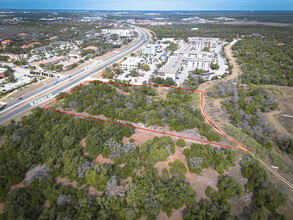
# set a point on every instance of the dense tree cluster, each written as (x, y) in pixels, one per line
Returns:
(200, 156)
(141, 104)
(285, 144)
(107, 140)
(223, 89)
(193, 80)
(54, 139)
(178, 170)
(223, 31)
(265, 194)
(146, 195)
(161, 81)
(264, 61)
(158, 149)
(45, 136)
(181, 142)
(209, 210)
(111, 72)
(228, 187)
(218, 208)
(246, 109)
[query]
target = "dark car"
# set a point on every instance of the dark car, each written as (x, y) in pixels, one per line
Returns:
(2, 107)
(20, 98)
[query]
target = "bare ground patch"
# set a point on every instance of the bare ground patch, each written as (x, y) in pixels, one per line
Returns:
(208, 177)
(162, 92)
(47, 204)
(124, 182)
(92, 192)
(82, 143)
(238, 206)
(2, 205)
(101, 160)
(16, 186)
(235, 171)
(176, 214)
(281, 124)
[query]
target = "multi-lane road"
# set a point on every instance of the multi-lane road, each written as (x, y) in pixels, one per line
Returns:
(17, 107)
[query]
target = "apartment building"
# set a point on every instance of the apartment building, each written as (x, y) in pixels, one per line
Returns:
(201, 42)
(196, 63)
(190, 51)
(149, 50)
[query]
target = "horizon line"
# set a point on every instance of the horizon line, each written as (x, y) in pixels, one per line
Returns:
(158, 10)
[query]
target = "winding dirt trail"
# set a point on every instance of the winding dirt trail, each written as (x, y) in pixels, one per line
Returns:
(236, 71)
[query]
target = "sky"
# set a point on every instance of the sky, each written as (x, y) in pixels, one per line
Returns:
(149, 5)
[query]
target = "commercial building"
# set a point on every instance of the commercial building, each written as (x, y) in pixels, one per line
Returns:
(53, 60)
(171, 68)
(131, 63)
(119, 32)
(196, 63)
(68, 63)
(149, 50)
(74, 53)
(174, 64)
(164, 39)
(202, 42)
(190, 51)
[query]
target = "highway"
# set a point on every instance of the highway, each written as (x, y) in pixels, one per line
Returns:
(70, 81)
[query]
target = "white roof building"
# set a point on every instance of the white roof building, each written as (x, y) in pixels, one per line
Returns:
(131, 63)
(171, 68)
(167, 39)
(190, 51)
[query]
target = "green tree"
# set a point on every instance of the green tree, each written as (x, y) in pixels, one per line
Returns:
(178, 170)
(209, 191)
(181, 143)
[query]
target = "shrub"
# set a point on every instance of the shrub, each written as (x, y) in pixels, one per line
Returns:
(181, 143)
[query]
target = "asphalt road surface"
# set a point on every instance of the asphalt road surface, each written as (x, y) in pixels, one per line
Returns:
(144, 37)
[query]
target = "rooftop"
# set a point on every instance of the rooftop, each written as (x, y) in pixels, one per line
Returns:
(132, 60)
(191, 50)
(171, 66)
(203, 38)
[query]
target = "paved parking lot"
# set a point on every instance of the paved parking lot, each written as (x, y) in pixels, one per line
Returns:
(139, 79)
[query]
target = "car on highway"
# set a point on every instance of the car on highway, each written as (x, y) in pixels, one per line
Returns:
(20, 98)
(2, 107)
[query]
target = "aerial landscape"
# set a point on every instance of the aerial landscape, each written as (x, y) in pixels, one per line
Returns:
(146, 109)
